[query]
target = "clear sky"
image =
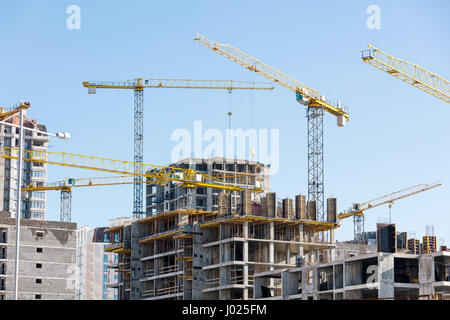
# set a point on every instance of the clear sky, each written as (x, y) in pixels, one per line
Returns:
(397, 135)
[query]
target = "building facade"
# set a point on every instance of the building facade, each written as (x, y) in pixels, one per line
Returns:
(47, 265)
(93, 272)
(368, 276)
(195, 254)
(33, 202)
(240, 172)
(119, 246)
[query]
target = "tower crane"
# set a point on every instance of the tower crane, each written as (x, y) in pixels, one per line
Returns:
(315, 103)
(357, 210)
(138, 85)
(66, 185)
(6, 113)
(408, 72)
(186, 178)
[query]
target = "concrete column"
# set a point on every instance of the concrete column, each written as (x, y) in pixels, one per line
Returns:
(426, 274)
(209, 191)
(226, 252)
(302, 239)
(289, 283)
(136, 233)
(224, 274)
(198, 279)
(156, 266)
(334, 279)
(272, 251)
(309, 288)
(386, 276)
(332, 251)
(343, 277)
(245, 259)
(288, 253)
(272, 246)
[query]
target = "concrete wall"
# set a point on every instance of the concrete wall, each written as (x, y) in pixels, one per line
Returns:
(57, 259)
(426, 274)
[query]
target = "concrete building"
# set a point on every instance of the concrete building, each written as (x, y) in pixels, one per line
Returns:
(369, 276)
(119, 246)
(434, 273)
(260, 247)
(198, 254)
(47, 259)
(33, 202)
(171, 197)
(93, 272)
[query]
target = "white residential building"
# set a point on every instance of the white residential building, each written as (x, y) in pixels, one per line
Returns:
(33, 202)
(93, 274)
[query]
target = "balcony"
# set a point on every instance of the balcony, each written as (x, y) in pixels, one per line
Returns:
(162, 291)
(211, 283)
(149, 273)
(124, 267)
(168, 269)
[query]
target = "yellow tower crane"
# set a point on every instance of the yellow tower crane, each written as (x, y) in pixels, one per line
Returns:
(315, 102)
(66, 185)
(6, 113)
(138, 85)
(408, 72)
(357, 210)
(186, 178)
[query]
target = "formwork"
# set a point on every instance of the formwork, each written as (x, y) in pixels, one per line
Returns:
(288, 209)
(271, 201)
(300, 207)
(386, 238)
(331, 210)
(245, 203)
(224, 204)
(311, 210)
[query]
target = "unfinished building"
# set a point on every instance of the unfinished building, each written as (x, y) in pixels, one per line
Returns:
(239, 172)
(119, 237)
(369, 276)
(47, 259)
(201, 254)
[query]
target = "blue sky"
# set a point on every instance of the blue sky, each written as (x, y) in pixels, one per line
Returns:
(397, 135)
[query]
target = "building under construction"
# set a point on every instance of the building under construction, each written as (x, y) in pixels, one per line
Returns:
(372, 276)
(238, 172)
(196, 253)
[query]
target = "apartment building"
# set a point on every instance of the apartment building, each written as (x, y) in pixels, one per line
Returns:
(93, 272)
(240, 172)
(47, 259)
(119, 247)
(33, 202)
(198, 254)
